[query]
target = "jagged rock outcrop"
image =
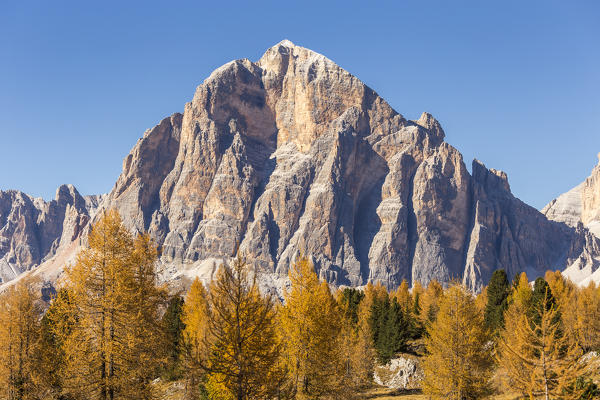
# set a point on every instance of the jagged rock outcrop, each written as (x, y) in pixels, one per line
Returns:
(32, 230)
(292, 154)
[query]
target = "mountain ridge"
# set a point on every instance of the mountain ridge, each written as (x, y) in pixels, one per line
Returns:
(294, 154)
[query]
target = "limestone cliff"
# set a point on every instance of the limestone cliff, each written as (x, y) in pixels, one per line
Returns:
(293, 154)
(580, 204)
(580, 208)
(33, 231)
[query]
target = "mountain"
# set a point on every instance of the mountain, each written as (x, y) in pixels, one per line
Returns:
(33, 231)
(292, 154)
(577, 208)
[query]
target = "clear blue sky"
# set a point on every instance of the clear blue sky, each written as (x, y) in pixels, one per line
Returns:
(515, 84)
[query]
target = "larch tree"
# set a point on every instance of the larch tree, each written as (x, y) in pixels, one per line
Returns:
(116, 344)
(404, 298)
(57, 323)
(429, 302)
(356, 344)
(458, 363)
(310, 324)
(583, 314)
(146, 342)
(19, 336)
(242, 333)
(196, 342)
(540, 358)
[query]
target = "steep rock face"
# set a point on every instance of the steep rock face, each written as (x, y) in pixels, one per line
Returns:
(292, 154)
(580, 208)
(32, 230)
(580, 204)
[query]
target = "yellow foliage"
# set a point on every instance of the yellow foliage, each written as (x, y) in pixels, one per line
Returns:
(241, 334)
(404, 298)
(310, 326)
(541, 358)
(116, 344)
(19, 334)
(196, 343)
(458, 361)
(429, 302)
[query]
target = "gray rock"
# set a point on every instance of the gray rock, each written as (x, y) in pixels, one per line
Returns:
(292, 154)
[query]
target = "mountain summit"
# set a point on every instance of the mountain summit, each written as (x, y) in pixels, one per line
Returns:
(292, 154)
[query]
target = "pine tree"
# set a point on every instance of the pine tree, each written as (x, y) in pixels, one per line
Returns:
(116, 345)
(389, 327)
(349, 300)
(19, 337)
(173, 325)
(242, 332)
(196, 342)
(541, 360)
(497, 296)
(310, 325)
(458, 361)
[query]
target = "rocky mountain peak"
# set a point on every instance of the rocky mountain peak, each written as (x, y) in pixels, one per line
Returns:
(33, 230)
(579, 205)
(293, 154)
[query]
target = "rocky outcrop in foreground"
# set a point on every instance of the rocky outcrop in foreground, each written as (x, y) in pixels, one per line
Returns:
(293, 154)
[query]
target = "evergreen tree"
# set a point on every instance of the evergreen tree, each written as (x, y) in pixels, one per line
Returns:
(19, 337)
(349, 300)
(458, 364)
(542, 299)
(389, 328)
(173, 326)
(497, 300)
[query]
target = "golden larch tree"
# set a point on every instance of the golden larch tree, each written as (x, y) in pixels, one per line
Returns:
(583, 313)
(196, 344)
(404, 298)
(458, 364)
(429, 302)
(115, 344)
(241, 334)
(19, 336)
(539, 356)
(310, 325)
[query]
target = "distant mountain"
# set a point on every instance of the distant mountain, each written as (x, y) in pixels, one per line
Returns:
(293, 154)
(580, 206)
(33, 231)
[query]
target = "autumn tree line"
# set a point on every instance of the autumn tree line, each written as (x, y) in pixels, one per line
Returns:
(112, 332)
